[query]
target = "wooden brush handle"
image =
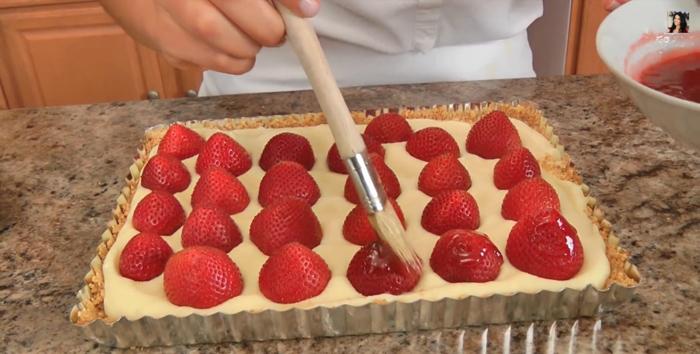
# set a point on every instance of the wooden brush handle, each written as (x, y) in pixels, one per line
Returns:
(304, 41)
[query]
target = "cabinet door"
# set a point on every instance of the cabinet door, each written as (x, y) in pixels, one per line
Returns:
(179, 82)
(582, 56)
(3, 100)
(71, 54)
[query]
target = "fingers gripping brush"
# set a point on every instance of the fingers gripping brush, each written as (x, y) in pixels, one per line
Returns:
(351, 147)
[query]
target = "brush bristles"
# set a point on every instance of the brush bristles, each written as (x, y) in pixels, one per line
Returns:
(391, 231)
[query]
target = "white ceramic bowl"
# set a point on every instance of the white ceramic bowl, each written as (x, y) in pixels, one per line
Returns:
(625, 27)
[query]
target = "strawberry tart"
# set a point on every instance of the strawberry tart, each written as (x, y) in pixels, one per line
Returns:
(258, 214)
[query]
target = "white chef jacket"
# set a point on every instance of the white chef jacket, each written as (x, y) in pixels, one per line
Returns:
(373, 42)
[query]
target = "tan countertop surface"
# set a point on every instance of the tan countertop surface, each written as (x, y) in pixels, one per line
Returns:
(62, 168)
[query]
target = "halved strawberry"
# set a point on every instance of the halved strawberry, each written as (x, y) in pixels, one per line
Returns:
(515, 165)
(285, 221)
(451, 209)
(159, 213)
(443, 172)
(492, 136)
(387, 178)
(166, 173)
(293, 273)
(374, 269)
(201, 277)
(545, 245)
(288, 179)
(287, 147)
(358, 230)
(529, 196)
(222, 151)
(431, 142)
(207, 226)
(144, 257)
(334, 162)
(220, 189)
(180, 142)
(466, 256)
(389, 128)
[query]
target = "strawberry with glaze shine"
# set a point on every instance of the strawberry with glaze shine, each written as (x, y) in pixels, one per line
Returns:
(545, 245)
(516, 165)
(466, 256)
(374, 269)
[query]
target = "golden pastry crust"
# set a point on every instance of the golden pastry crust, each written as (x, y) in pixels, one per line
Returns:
(91, 306)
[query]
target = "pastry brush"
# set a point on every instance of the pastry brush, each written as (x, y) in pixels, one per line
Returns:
(303, 39)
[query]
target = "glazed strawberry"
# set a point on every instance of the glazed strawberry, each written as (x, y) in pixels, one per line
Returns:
(166, 173)
(293, 273)
(288, 179)
(389, 128)
(515, 165)
(285, 221)
(374, 269)
(358, 230)
(492, 136)
(212, 227)
(287, 147)
(201, 277)
(220, 189)
(180, 142)
(431, 142)
(451, 209)
(159, 213)
(444, 172)
(466, 256)
(335, 164)
(387, 177)
(222, 151)
(529, 196)
(144, 257)
(545, 245)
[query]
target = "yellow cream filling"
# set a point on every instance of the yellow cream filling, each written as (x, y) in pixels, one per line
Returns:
(127, 298)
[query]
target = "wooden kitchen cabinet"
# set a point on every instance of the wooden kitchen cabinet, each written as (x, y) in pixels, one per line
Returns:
(582, 56)
(72, 53)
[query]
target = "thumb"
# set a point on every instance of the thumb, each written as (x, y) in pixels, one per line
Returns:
(302, 8)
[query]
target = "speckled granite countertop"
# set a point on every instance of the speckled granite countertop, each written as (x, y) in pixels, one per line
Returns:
(62, 168)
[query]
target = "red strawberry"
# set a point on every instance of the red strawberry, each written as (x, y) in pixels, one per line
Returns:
(180, 142)
(466, 256)
(545, 245)
(210, 227)
(287, 147)
(159, 213)
(357, 228)
(166, 173)
(516, 165)
(144, 257)
(389, 128)
(201, 277)
(374, 269)
(285, 221)
(292, 274)
(288, 179)
(220, 189)
(492, 136)
(387, 177)
(431, 142)
(451, 209)
(443, 173)
(335, 164)
(222, 151)
(530, 196)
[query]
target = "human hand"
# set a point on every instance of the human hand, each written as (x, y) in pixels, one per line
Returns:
(221, 35)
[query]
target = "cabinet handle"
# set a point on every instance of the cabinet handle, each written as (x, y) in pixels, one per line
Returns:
(153, 95)
(191, 93)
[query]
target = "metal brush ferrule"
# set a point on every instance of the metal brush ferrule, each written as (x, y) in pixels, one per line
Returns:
(366, 182)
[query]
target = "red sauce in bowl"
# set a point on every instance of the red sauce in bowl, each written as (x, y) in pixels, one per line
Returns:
(677, 75)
